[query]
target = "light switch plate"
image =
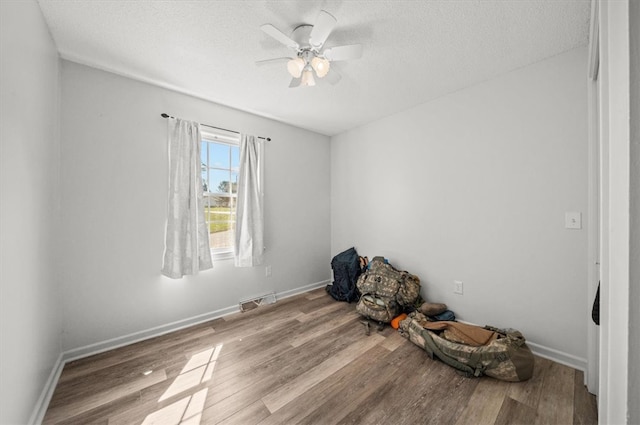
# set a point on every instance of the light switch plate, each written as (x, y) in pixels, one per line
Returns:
(457, 287)
(572, 220)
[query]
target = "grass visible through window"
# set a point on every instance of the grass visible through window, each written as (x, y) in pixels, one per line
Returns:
(220, 219)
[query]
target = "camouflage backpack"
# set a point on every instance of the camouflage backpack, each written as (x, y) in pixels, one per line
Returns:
(385, 291)
(505, 357)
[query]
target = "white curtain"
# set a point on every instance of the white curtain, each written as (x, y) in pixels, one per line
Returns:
(186, 249)
(249, 244)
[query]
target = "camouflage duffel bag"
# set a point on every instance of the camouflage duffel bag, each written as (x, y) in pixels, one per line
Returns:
(505, 356)
(385, 291)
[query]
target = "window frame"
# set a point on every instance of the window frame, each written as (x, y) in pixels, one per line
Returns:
(221, 137)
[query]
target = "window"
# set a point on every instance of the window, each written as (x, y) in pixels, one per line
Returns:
(220, 157)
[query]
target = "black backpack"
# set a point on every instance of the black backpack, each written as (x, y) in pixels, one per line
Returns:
(346, 270)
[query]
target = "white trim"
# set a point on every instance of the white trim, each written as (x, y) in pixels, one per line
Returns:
(47, 392)
(302, 289)
(227, 254)
(132, 338)
(592, 372)
(614, 292)
(594, 45)
(593, 239)
(557, 356)
(591, 376)
(215, 135)
(552, 354)
(603, 107)
(619, 162)
(99, 347)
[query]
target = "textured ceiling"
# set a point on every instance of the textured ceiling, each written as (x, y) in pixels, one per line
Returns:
(414, 51)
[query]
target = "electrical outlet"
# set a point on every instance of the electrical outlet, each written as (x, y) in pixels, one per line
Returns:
(457, 287)
(267, 271)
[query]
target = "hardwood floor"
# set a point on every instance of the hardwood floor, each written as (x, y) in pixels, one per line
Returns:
(305, 359)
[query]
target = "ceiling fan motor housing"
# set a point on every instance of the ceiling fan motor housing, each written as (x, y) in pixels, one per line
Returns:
(300, 35)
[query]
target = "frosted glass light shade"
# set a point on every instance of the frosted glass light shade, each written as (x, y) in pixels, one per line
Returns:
(321, 66)
(307, 79)
(295, 67)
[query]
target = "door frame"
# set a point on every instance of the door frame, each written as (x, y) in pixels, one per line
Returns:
(593, 205)
(615, 155)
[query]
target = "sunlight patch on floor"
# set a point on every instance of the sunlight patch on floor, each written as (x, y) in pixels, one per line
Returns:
(188, 410)
(198, 369)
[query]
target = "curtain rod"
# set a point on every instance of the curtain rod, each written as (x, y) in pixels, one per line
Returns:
(268, 139)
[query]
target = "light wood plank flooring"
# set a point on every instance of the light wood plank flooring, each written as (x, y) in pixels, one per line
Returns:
(305, 359)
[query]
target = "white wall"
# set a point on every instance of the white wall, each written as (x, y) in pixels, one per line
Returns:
(474, 186)
(30, 319)
(113, 209)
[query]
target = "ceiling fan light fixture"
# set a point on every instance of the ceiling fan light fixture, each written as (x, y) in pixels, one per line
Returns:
(311, 59)
(320, 65)
(295, 67)
(307, 78)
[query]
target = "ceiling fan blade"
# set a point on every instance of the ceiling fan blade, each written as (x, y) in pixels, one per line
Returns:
(321, 30)
(274, 60)
(333, 77)
(343, 53)
(295, 82)
(279, 35)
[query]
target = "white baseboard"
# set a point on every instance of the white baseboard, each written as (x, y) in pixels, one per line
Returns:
(99, 347)
(570, 360)
(552, 354)
(302, 289)
(132, 338)
(47, 392)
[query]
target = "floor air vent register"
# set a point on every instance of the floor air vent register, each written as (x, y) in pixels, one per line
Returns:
(253, 303)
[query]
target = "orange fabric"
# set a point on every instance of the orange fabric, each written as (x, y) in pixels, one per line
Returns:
(395, 322)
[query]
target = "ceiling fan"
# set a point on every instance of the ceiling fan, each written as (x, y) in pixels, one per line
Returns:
(307, 41)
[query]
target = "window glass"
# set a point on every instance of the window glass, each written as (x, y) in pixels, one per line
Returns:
(235, 158)
(219, 155)
(219, 168)
(219, 180)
